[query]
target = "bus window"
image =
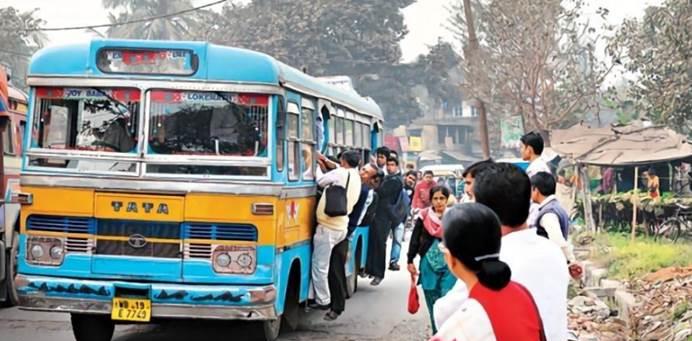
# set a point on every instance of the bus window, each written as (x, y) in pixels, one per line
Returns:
(332, 129)
(293, 144)
(348, 133)
(208, 123)
(358, 135)
(308, 143)
(280, 134)
(7, 141)
(88, 119)
(339, 131)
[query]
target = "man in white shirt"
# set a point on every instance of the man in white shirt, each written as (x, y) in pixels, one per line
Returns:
(531, 149)
(552, 221)
(331, 230)
(536, 262)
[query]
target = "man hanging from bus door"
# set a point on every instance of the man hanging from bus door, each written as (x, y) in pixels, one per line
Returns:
(332, 230)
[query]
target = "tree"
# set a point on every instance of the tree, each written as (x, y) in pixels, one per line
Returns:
(19, 39)
(658, 49)
(537, 60)
(179, 27)
(358, 38)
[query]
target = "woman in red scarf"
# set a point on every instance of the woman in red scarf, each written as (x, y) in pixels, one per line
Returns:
(435, 278)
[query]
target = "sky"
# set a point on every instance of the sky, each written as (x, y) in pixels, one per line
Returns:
(425, 19)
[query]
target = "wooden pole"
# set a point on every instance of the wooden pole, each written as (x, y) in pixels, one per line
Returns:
(635, 201)
(586, 192)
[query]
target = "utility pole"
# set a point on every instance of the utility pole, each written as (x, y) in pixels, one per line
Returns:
(472, 57)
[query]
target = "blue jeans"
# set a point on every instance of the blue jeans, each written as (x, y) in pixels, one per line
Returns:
(397, 239)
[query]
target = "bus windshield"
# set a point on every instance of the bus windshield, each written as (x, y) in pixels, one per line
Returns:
(95, 119)
(208, 123)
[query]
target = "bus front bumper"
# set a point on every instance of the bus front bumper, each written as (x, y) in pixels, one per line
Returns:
(220, 302)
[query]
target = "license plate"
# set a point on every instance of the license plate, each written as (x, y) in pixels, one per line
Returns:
(130, 309)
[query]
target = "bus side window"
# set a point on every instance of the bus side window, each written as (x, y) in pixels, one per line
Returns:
(293, 122)
(308, 143)
(280, 133)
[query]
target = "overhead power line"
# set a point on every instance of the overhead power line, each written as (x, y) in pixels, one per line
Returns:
(134, 21)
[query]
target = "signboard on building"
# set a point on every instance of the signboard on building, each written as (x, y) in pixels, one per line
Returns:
(512, 129)
(415, 144)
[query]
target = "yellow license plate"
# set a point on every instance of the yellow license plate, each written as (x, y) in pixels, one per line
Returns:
(130, 309)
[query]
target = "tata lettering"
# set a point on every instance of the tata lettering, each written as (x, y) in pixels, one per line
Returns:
(132, 207)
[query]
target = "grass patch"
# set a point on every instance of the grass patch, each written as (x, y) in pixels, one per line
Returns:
(627, 259)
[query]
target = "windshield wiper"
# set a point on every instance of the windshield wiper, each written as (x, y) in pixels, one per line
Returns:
(221, 94)
(113, 100)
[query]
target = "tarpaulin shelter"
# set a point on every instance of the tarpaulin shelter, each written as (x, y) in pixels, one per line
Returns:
(635, 144)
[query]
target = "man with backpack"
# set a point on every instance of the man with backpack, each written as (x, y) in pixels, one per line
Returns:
(388, 194)
(341, 191)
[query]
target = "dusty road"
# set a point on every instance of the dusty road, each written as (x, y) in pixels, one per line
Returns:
(373, 314)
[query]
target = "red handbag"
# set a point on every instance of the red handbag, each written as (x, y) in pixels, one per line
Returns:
(413, 303)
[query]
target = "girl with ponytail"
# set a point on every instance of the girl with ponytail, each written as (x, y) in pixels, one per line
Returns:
(497, 308)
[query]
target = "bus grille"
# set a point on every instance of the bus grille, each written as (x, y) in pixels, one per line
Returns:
(139, 242)
(61, 224)
(220, 232)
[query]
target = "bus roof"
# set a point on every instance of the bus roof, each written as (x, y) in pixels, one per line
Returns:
(222, 63)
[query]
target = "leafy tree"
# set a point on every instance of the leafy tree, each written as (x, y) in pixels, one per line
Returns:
(19, 39)
(536, 59)
(179, 27)
(358, 38)
(658, 49)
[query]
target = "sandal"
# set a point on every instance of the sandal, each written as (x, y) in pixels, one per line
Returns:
(331, 315)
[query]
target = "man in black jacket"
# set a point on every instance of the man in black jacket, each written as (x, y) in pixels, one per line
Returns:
(387, 194)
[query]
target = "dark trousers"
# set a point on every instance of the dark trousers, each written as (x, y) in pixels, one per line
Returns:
(377, 247)
(337, 276)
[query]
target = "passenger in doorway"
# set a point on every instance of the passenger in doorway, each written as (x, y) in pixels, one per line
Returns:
(337, 263)
(434, 277)
(553, 221)
(332, 230)
(497, 308)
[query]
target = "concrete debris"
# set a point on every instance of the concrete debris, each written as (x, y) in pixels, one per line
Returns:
(659, 307)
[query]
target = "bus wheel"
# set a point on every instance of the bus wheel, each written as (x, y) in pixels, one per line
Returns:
(10, 272)
(271, 328)
(92, 327)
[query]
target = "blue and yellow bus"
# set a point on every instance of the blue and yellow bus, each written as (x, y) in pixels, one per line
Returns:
(176, 180)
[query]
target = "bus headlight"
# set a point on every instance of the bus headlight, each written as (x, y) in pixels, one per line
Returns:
(232, 259)
(45, 251)
(56, 252)
(37, 251)
(223, 260)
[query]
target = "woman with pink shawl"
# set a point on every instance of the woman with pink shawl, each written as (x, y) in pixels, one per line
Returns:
(434, 277)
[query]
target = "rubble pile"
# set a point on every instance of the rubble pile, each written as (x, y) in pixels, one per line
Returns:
(664, 311)
(593, 320)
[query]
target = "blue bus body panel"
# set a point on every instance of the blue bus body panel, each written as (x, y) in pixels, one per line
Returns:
(301, 254)
(217, 63)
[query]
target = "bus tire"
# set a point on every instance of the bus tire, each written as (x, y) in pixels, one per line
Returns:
(271, 329)
(12, 299)
(92, 327)
(291, 315)
(352, 281)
